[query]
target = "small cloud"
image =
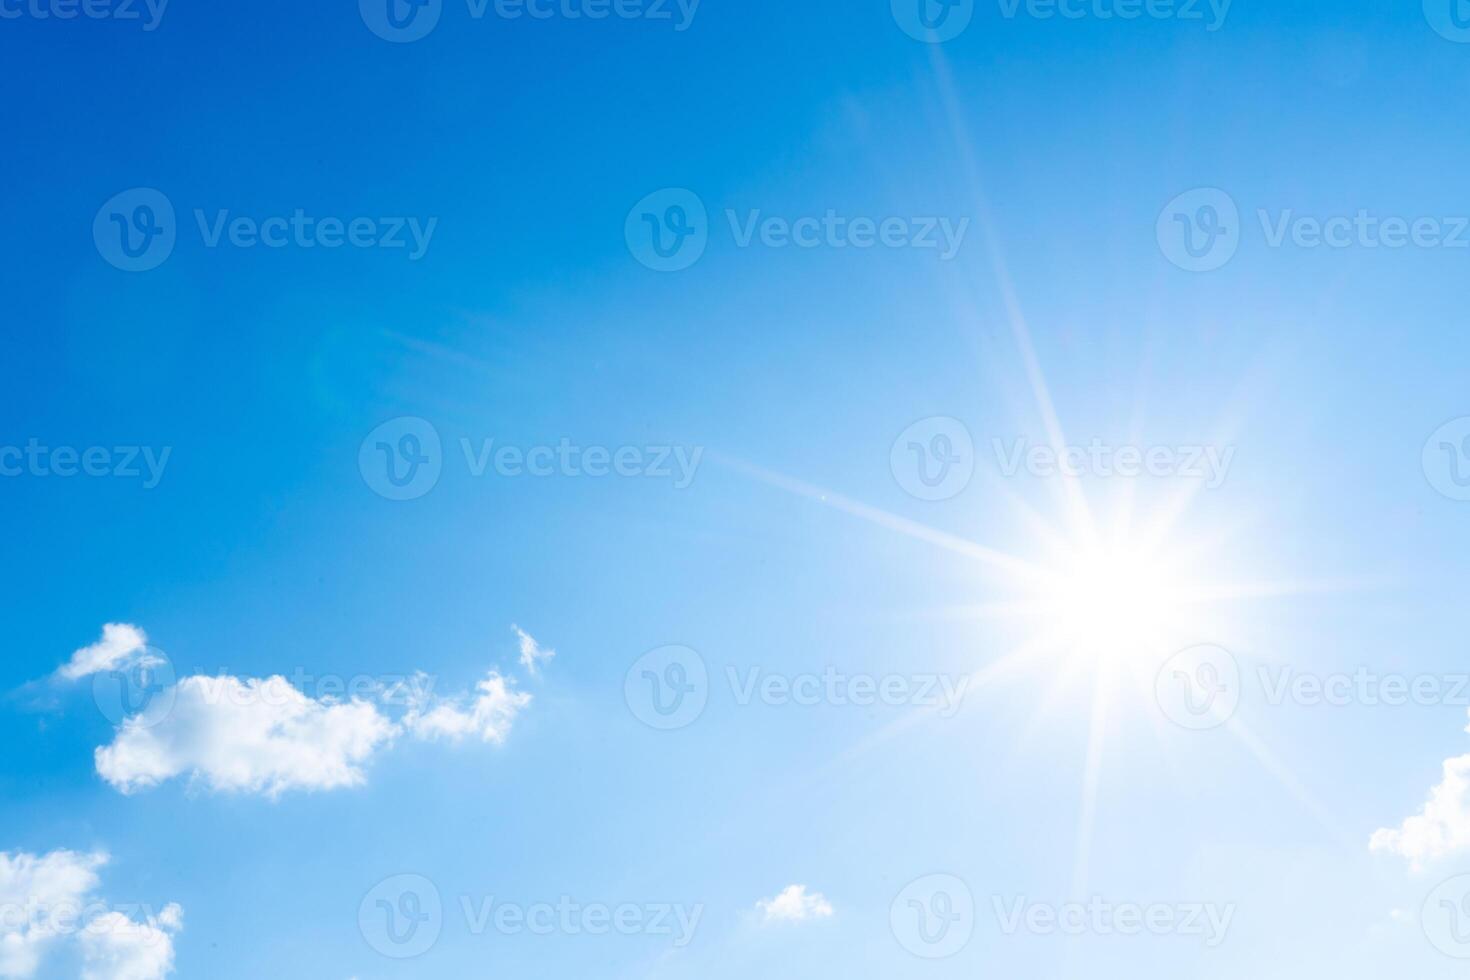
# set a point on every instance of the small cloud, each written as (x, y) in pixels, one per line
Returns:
(532, 653)
(794, 904)
(120, 644)
(489, 714)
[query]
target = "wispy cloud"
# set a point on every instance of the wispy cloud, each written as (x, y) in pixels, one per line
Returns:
(532, 653)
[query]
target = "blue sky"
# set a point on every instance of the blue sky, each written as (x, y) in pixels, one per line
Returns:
(943, 533)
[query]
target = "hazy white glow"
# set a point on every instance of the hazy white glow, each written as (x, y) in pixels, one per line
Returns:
(1112, 601)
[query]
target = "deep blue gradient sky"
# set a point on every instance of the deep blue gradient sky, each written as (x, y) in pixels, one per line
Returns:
(263, 550)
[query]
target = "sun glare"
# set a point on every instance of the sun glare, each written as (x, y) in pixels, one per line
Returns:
(1113, 602)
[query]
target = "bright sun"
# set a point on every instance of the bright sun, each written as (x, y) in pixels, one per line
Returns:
(1111, 602)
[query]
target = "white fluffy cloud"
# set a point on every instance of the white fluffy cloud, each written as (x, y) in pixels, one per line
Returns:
(488, 715)
(1442, 828)
(259, 736)
(265, 736)
(532, 653)
(121, 643)
(794, 904)
(47, 901)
